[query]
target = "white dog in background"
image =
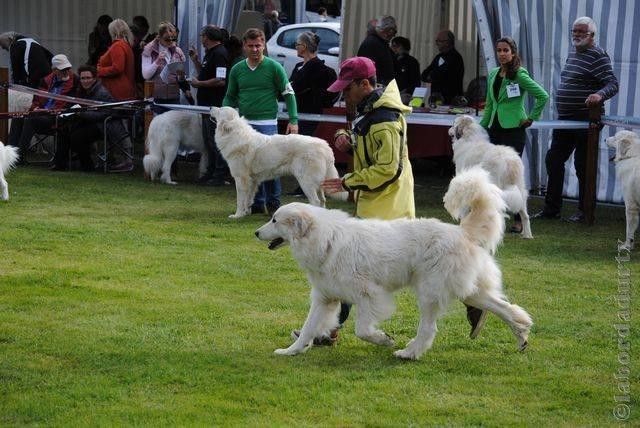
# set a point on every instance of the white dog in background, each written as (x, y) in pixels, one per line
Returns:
(365, 261)
(8, 158)
(166, 133)
(627, 159)
(471, 147)
(254, 157)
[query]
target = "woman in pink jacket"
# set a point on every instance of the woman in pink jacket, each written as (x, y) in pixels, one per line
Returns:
(116, 67)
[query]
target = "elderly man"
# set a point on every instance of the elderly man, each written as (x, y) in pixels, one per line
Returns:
(376, 47)
(587, 80)
(30, 61)
(61, 81)
(446, 71)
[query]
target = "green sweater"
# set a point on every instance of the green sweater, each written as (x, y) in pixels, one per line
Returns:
(255, 92)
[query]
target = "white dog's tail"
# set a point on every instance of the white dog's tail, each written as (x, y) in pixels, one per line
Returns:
(479, 205)
(8, 158)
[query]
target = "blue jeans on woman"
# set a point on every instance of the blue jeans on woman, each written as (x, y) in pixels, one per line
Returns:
(269, 191)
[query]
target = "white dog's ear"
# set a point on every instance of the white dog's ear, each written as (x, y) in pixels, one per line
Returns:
(464, 123)
(624, 145)
(300, 223)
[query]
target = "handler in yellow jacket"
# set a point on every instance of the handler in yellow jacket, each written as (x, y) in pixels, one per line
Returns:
(382, 178)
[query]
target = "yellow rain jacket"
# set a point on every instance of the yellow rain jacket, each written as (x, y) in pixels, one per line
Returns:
(382, 178)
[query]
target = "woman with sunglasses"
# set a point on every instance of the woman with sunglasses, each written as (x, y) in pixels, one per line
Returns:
(156, 55)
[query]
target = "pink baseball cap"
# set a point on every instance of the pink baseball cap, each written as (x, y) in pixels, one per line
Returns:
(358, 67)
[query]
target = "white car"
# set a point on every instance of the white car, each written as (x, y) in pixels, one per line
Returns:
(281, 46)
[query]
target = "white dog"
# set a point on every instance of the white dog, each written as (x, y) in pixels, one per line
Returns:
(471, 147)
(365, 261)
(8, 158)
(166, 133)
(627, 159)
(253, 158)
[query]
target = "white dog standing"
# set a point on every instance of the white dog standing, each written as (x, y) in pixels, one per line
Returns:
(365, 261)
(8, 158)
(627, 159)
(471, 147)
(166, 133)
(254, 157)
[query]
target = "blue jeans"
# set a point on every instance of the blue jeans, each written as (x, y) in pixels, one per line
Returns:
(269, 191)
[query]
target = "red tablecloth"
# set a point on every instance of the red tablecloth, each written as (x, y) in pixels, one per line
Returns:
(425, 141)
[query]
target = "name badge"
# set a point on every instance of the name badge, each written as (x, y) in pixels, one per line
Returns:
(513, 90)
(221, 72)
(440, 62)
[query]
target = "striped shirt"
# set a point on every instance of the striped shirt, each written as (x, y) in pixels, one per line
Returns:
(586, 72)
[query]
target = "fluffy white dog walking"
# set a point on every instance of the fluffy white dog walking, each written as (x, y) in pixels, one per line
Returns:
(365, 261)
(627, 159)
(166, 133)
(8, 158)
(254, 157)
(471, 147)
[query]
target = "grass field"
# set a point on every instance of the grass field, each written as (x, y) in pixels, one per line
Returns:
(124, 302)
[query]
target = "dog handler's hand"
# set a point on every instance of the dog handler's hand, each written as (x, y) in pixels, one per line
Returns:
(292, 129)
(342, 143)
(333, 185)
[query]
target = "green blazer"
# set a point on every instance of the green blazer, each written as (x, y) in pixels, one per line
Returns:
(510, 111)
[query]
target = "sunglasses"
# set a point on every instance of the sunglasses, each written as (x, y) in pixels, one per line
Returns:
(170, 39)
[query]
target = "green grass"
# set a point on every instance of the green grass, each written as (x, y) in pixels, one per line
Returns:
(124, 302)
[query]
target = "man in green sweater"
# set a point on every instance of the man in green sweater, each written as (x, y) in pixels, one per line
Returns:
(254, 86)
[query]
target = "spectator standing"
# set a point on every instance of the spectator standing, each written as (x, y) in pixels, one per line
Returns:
(586, 80)
(30, 61)
(406, 66)
(322, 14)
(99, 39)
(254, 87)
(271, 23)
(376, 47)
(504, 115)
(446, 71)
(211, 84)
(61, 81)
(156, 55)
(116, 67)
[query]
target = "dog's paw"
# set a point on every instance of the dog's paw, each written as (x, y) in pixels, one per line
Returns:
(406, 354)
(286, 351)
(236, 216)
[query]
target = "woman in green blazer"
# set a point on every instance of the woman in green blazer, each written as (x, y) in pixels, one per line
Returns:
(504, 116)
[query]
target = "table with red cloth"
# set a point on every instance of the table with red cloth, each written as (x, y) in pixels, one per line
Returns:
(427, 133)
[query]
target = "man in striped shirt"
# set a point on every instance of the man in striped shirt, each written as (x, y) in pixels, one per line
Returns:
(587, 80)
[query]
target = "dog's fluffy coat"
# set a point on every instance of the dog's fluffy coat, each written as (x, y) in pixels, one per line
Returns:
(8, 158)
(253, 158)
(627, 159)
(166, 133)
(471, 146)
(365, 261)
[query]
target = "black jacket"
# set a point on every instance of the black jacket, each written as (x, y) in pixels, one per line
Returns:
(39, 62)
(377, 49)
(310, 83)
(445, 74)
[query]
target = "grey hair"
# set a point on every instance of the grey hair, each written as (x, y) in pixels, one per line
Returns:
(6, 39)
(310, 40)
(386, 22)
(119, 29)
(585, 20)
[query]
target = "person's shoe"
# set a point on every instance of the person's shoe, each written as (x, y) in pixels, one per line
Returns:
(124, 166)
(545, 215)
(330, 340)
(272, 208)
(516, 228)
(578, 217)
(257, 210)
(204, 180)
(55, 167)
(477, 318)
(297, 193)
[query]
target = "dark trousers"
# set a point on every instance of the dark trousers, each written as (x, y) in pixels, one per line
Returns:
(563, 143)
(77, 139)
(512, 137)
(217, 169)
(22, 131)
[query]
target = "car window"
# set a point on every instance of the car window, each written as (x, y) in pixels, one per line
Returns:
(328, 38)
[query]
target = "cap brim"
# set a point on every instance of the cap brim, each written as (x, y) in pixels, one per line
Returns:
(338, 85)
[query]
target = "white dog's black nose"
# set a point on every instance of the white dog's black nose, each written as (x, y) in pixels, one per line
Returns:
(257, 234)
